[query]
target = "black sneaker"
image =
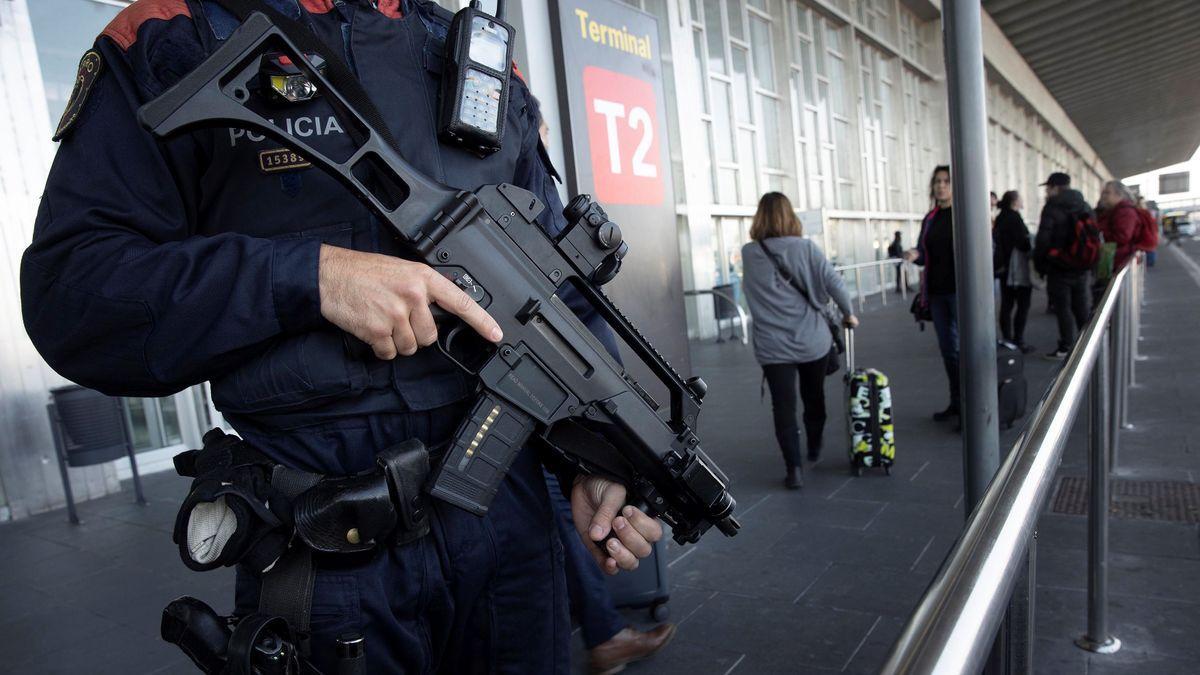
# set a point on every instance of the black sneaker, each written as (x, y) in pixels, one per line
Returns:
(814, 454)
(793, 480)
(1056, 355)
(947, 414)
(1026, 348)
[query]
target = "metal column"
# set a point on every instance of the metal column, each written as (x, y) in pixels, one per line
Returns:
(966, 93)
(1100, 434)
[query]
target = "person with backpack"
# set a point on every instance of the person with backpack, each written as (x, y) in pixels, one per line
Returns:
(1118, 220)
(788, 280)
(1067, 247)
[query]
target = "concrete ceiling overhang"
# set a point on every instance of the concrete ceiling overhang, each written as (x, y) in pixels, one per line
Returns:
(1127, 72)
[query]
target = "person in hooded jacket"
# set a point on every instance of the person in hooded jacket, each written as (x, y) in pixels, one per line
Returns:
(1067, 288)
(1117, 218)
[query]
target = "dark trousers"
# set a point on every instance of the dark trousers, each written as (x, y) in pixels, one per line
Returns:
(587, 586)
(781, 380)
(1068, 293)
(1012, 323)
(944, 310)
(477, 595)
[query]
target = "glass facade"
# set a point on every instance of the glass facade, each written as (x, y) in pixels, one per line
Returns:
(840, 105)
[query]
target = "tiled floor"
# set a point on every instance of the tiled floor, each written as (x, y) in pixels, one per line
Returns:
(819, 580)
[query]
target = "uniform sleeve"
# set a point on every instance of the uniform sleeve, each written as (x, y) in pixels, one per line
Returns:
(118, 292)
(533, 175)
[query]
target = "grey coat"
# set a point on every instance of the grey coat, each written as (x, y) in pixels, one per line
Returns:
(786, 327)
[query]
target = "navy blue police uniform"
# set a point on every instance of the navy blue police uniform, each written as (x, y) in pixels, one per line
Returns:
(156, 265)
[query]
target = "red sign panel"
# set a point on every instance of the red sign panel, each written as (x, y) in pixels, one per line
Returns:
(623, 137)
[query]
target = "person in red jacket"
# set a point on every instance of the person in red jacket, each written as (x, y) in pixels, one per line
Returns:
(1117, 218)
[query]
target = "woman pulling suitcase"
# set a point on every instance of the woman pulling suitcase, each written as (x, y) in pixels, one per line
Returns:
(788, 280)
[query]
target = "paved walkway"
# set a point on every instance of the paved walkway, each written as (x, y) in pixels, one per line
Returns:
(820, 580)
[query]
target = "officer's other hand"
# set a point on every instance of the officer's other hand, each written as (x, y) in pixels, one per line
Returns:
(850, 321)
(384, 301)
(598, 507)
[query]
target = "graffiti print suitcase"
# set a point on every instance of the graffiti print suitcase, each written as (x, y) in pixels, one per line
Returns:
(869, 425)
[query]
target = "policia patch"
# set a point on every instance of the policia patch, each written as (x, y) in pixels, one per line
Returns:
(89, 69)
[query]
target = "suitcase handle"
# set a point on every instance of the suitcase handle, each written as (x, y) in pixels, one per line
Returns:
(848, 337)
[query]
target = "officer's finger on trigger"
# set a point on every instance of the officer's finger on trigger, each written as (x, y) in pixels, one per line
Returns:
(452, 299)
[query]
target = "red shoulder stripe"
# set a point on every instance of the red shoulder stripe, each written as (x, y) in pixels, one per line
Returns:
(123, 29)
(317, 6)
(390, 9)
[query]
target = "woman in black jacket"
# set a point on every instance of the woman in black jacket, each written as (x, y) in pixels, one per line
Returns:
(1011, 262)
(939, 290)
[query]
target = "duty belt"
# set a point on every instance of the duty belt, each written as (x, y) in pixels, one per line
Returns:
(244, 508)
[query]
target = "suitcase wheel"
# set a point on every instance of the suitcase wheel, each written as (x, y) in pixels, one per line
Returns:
(660, 611)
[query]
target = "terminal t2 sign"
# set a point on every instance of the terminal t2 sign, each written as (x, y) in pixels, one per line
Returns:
(623, 137)
(614, 128)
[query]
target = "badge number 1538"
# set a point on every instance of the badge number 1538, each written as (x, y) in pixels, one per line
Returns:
(623, 137)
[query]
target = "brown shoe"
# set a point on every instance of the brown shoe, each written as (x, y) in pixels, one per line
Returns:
(628, 646)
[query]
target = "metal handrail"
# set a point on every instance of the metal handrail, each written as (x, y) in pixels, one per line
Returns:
(730, 299)
(881, 266)
(954, 626)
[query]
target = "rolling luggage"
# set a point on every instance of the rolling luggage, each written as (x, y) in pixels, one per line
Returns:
(1014, 390)
(868, 415)
(646, 587)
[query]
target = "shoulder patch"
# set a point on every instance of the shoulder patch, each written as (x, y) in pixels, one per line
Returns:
(89, 69)
(124, 28)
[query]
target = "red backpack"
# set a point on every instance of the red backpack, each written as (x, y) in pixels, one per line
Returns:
(1083, 251)
(1145, 238)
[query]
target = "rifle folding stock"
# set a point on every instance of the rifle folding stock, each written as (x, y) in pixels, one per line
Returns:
(551, 382)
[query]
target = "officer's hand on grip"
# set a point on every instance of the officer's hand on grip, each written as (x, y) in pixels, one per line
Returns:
(598, 507)
(385, 301)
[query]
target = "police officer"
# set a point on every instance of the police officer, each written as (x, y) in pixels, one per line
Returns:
(220, 256)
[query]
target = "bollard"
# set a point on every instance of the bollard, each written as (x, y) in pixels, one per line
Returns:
(1097, 638)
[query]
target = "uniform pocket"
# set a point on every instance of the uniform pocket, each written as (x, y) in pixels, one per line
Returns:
(296, 371)
(336, 607)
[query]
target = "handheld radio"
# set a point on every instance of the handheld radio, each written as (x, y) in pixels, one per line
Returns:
(474, 96)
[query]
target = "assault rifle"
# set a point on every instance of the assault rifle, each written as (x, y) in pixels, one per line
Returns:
(550, 382)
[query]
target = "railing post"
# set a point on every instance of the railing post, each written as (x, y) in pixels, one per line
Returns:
(882, 284)
(903, 280)
(1114, 347)
(1097, 638)
(858, 288)
(1135, 312)
(1126, 356)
